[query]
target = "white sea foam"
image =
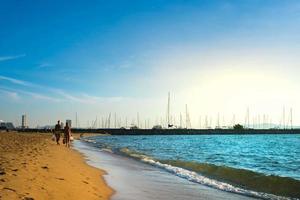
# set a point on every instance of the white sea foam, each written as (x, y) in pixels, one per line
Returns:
(89, 140)
(107, 150)
(195, 177)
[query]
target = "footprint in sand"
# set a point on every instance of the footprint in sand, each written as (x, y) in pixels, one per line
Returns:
(28, 198)
(94, 188)
(10, 189)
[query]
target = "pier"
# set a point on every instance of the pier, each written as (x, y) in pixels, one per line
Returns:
(118, 131)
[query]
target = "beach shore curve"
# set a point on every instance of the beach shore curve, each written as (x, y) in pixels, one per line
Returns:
(32, 166)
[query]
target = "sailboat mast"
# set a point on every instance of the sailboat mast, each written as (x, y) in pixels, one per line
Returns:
(138, 120)
(76, 122)
(291, 113)
(248, 117)
(283, 117)
(115, 118)
(186, 117)
(168, 110)
(218, 121)
(180, 120)
(108, 121)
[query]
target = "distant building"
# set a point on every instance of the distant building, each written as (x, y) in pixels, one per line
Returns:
(69, 122)
(24, 121)
(6, 125)
(2, 125)
(62, 124)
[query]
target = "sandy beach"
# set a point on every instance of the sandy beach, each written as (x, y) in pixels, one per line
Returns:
(32, 166)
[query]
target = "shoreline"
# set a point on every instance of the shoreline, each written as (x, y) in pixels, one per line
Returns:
(109, 157)
(148, 182)
(32, 166)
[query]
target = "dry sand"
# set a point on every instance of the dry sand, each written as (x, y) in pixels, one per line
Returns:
(32, 166)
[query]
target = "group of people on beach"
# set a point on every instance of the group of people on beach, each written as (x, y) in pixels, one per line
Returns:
(66, 132)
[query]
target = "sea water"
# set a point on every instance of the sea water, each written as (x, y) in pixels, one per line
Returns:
(254, 165)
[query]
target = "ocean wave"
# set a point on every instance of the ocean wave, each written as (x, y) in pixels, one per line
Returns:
(107, 150)
(88, 140)
(228, 179)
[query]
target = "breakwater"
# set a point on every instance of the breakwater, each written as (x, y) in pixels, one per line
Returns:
(113, 131)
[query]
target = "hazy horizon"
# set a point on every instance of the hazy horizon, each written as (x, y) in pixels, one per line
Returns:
(218, 57)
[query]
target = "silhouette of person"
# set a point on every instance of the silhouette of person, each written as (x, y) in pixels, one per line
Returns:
(67, 134)
(57, 131)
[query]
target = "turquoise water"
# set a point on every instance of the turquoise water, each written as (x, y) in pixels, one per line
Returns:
(263, 163)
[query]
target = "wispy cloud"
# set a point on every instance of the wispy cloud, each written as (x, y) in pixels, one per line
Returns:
(16, 81)
(101, 99)
(15, 94)
(58, 95)
(11, 95)
(44, 65)
(43, 97)
(125, 66)
(5, 58)
(86, 99)
(68, 96)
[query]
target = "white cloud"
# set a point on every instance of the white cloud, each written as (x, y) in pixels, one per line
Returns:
(5, 58)
(16, 81)
(95, 99)
(85, 98)
(11, 95)
(15, 94)
(44, 65)
(43, 97)
(62, 95)
(68, 96)
(125, 65)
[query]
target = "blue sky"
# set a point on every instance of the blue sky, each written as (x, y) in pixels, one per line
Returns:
(62, 57)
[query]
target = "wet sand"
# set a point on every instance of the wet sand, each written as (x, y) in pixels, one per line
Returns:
(32, 166)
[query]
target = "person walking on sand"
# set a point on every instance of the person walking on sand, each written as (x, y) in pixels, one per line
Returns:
(67, 134)
(57, 131)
